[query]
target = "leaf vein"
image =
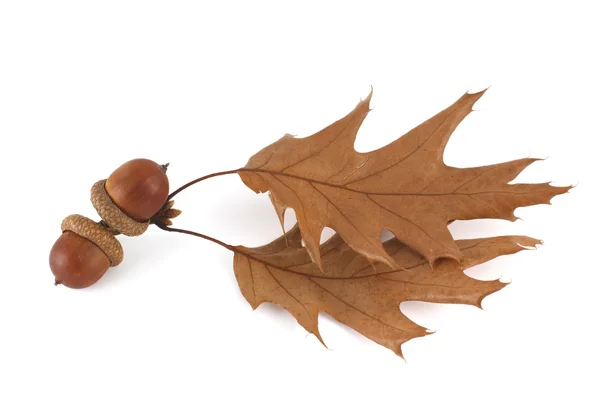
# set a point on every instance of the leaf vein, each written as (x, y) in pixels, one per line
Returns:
(357, 309)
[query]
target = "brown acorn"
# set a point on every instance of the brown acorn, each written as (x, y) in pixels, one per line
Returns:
(77, 262)
(126, 201)
(139, 188)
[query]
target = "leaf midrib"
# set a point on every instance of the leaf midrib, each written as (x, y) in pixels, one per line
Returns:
(332, 185)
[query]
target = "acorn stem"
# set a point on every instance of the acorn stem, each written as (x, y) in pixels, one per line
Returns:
(187, 185)
(235, 249)
(200, 235)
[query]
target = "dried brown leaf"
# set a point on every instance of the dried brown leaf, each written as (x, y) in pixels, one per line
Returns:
(363, 296)
(404, 187)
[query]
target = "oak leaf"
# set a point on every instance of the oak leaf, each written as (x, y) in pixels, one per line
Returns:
(404, 187)
(363, 296)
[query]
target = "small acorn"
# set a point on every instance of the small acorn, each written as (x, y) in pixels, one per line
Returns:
(126, 201)
(139, 188)
(77, 262)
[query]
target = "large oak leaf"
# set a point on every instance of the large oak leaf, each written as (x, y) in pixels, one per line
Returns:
(363, 296)
(404, 187)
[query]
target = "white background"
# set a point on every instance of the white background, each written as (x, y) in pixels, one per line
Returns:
(86, 86)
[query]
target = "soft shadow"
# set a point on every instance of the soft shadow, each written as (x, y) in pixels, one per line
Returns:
(433, 315)
(479, 228)
(141, 253)
(326, 319)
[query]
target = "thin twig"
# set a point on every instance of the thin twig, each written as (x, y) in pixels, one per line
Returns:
(200, 235)
(233, 171)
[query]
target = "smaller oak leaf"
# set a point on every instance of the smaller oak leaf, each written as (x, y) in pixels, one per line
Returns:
(364, 296)
(403, 187)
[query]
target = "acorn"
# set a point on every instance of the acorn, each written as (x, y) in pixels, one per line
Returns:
(77, 262)
(139, 188)
(126, 201)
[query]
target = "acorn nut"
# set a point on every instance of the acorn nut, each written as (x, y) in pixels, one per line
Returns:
(126, 201)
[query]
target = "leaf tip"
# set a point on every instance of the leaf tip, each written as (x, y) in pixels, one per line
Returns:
(514, 218)
(366, 101)
(528, 243)
(479, 93)
(316, 258)
(471, 98)
(383, 258)
(318, 335)
(499, 285)
(370, 94)
(398, 351)
(558, 190)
